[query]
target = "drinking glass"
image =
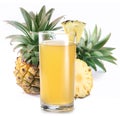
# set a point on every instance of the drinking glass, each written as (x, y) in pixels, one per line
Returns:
(57, 63)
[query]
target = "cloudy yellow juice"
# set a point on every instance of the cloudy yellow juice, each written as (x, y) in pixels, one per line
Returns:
(57, 72)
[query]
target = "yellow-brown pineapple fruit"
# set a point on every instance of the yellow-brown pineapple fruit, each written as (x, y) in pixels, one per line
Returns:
(27, 76)
(83, 79)
(74, 29)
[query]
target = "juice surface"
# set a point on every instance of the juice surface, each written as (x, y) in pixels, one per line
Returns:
(57, 72)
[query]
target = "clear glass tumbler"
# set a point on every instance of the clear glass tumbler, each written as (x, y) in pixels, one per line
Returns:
(57, 60)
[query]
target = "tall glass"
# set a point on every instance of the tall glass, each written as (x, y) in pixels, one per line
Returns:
(57, 60)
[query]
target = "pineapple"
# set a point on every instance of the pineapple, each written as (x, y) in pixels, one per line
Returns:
(83, 75)
(27, 64)
(74, 29)
(83, 79)
(91, 51)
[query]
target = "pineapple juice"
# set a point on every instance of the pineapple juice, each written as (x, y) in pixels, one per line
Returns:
(57, 72)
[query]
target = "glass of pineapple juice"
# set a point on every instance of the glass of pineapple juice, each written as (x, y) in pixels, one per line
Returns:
(57, 58)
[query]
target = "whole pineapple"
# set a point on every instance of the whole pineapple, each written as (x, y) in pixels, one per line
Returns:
(26, 69)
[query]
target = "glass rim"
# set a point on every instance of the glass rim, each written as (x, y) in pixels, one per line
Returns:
(52, 32)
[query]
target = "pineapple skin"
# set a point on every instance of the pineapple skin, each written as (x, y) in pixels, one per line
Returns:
(27, 76)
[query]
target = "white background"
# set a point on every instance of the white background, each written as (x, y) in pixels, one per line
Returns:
(105, 95)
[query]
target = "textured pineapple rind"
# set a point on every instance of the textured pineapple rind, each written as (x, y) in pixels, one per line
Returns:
(27, 76)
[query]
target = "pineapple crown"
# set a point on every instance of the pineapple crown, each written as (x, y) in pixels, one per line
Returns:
(28, 42)
(92, 50)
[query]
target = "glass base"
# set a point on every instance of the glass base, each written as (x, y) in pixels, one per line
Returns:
(57, 108)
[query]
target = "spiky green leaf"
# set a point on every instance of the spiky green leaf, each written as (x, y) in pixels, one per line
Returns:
(27, 18)
(101, 43)
(89, 45)
(26, 56)
(100, 64)
(36, 54)
(50, 13)
(96, 35)
(81, 43)
(35, 23)
(97, 54)
(35, 38)
(91, 63)
(34, 61)
(44, 22)
(93, 36)
(85, 35)
(20, 27)
(41, 14)
(108, 48)
(19, 46)
(30, 48)
(18, 38)
(106, 51)
(54, 23)
(56, 28)
(34, 27)
(109, 58)
(99, 35)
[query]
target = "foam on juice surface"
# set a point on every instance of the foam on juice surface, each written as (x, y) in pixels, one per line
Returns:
(57, 42)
